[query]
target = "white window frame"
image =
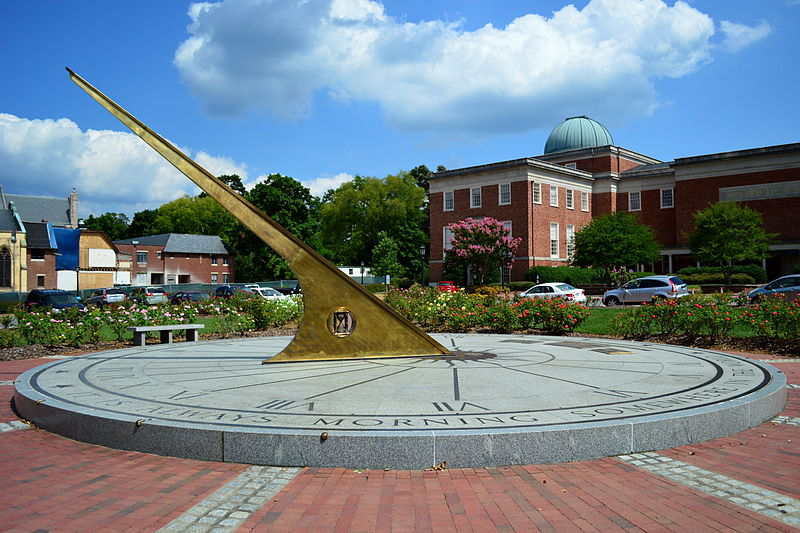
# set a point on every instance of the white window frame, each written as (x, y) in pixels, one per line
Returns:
(536, 193)
(638, 196)
(448, 197)
(555, 245)
(214, 277)
(41, 280)
(500, 188)
(226, 277)
(138, 255)
(570, 240)
(475, 193)
(572, 166)
(584, 201)
(671, 198)
(214, 259)
(570, 200)
(447, 239)
(554, 196)
(508, 226)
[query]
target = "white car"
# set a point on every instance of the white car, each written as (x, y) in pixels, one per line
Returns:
(269, 293)
(555, 290)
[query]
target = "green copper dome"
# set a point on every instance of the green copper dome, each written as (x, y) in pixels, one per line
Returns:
(575, 133)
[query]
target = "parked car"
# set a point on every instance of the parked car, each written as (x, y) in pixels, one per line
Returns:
(54, 299)
(647, 289)
(189, 296)
(555, 290)
(102, 297)
(445, 286)
(787, 286)
(269, 293)
(229, 291)
(288, 291)
(148, 295)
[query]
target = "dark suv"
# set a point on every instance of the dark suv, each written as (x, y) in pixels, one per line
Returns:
(53, 298)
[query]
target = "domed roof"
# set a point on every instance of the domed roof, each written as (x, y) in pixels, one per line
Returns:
(575, 133)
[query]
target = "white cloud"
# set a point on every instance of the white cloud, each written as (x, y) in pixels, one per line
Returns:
(276, 55)
(112, 171)
(320, 186)
(738, 36)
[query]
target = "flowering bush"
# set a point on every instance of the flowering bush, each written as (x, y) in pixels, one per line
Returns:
(711, 318)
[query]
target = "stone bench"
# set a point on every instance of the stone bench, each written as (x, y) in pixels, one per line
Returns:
(140, 332)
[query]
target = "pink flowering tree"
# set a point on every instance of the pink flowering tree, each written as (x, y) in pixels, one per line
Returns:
(483, 244)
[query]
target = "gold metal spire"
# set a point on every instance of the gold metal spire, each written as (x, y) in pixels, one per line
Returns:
(341, 320)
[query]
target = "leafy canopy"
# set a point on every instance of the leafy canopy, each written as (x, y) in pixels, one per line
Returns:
(726, 233)
(618, 239)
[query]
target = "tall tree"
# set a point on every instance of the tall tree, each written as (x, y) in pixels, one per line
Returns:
(615, 240)
(142, 223)
(727, 233)
(114, 225)
(291, 205)
(361, 209)
(384, 258)
(192, 215)
(484, 245)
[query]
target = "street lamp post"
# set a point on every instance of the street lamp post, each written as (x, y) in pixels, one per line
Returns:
(362, 273)
(422, 252)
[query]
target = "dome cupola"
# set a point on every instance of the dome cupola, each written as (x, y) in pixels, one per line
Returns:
(576, 133)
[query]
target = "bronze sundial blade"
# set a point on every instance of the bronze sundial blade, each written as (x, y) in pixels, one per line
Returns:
(341, 320)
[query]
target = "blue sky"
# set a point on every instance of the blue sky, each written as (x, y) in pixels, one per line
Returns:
(322, 90)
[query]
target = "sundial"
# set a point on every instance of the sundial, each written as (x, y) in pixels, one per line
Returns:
(368, 389)
(501, 399)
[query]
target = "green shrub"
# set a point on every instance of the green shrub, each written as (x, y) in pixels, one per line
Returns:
(717, 279)
(757, 273)
(564, 274)
(273, 313)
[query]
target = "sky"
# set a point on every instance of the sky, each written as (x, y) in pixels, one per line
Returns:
(323, 90)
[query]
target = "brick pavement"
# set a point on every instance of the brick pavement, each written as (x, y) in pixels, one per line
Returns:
(49, 483)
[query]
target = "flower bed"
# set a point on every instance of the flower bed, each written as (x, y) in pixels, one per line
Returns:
(460, 312)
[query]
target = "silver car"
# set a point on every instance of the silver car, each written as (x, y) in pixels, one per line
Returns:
(647, 289)
(101, 297)
(149, 295)
(787, 286)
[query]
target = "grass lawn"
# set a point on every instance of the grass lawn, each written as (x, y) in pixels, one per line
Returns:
(599, 321)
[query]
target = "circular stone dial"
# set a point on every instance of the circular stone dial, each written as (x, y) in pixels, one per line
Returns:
(491, 383)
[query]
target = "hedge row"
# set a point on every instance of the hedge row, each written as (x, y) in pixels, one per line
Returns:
(758, 274)
(717, 279)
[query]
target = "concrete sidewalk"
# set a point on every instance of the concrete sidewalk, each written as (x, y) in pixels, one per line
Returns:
(746, 482)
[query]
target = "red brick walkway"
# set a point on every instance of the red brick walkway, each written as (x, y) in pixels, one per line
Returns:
(49, 483)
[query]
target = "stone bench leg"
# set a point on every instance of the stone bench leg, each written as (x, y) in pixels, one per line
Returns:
(166, 336)
(139, 338)
(191, 335)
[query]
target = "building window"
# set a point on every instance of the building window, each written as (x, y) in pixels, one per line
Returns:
(569, 199)
(40, 280)
(5, 268)
(37, 255)
(584, 201)
(449, 201)
(475, 197)
(573, 166)
(214, 260)
(553, 239)
(158, 255)
(505, 193)
(667, 199)
(570, 240)
(537, 192)
(634, 201)
(226, 278)
(507, 227)
(553, 196)
(225, 260)
(141, 257)
(447, 238)
(213, 278)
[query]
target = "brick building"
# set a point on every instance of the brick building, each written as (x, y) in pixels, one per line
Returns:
(546, 199)
(178, 258)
